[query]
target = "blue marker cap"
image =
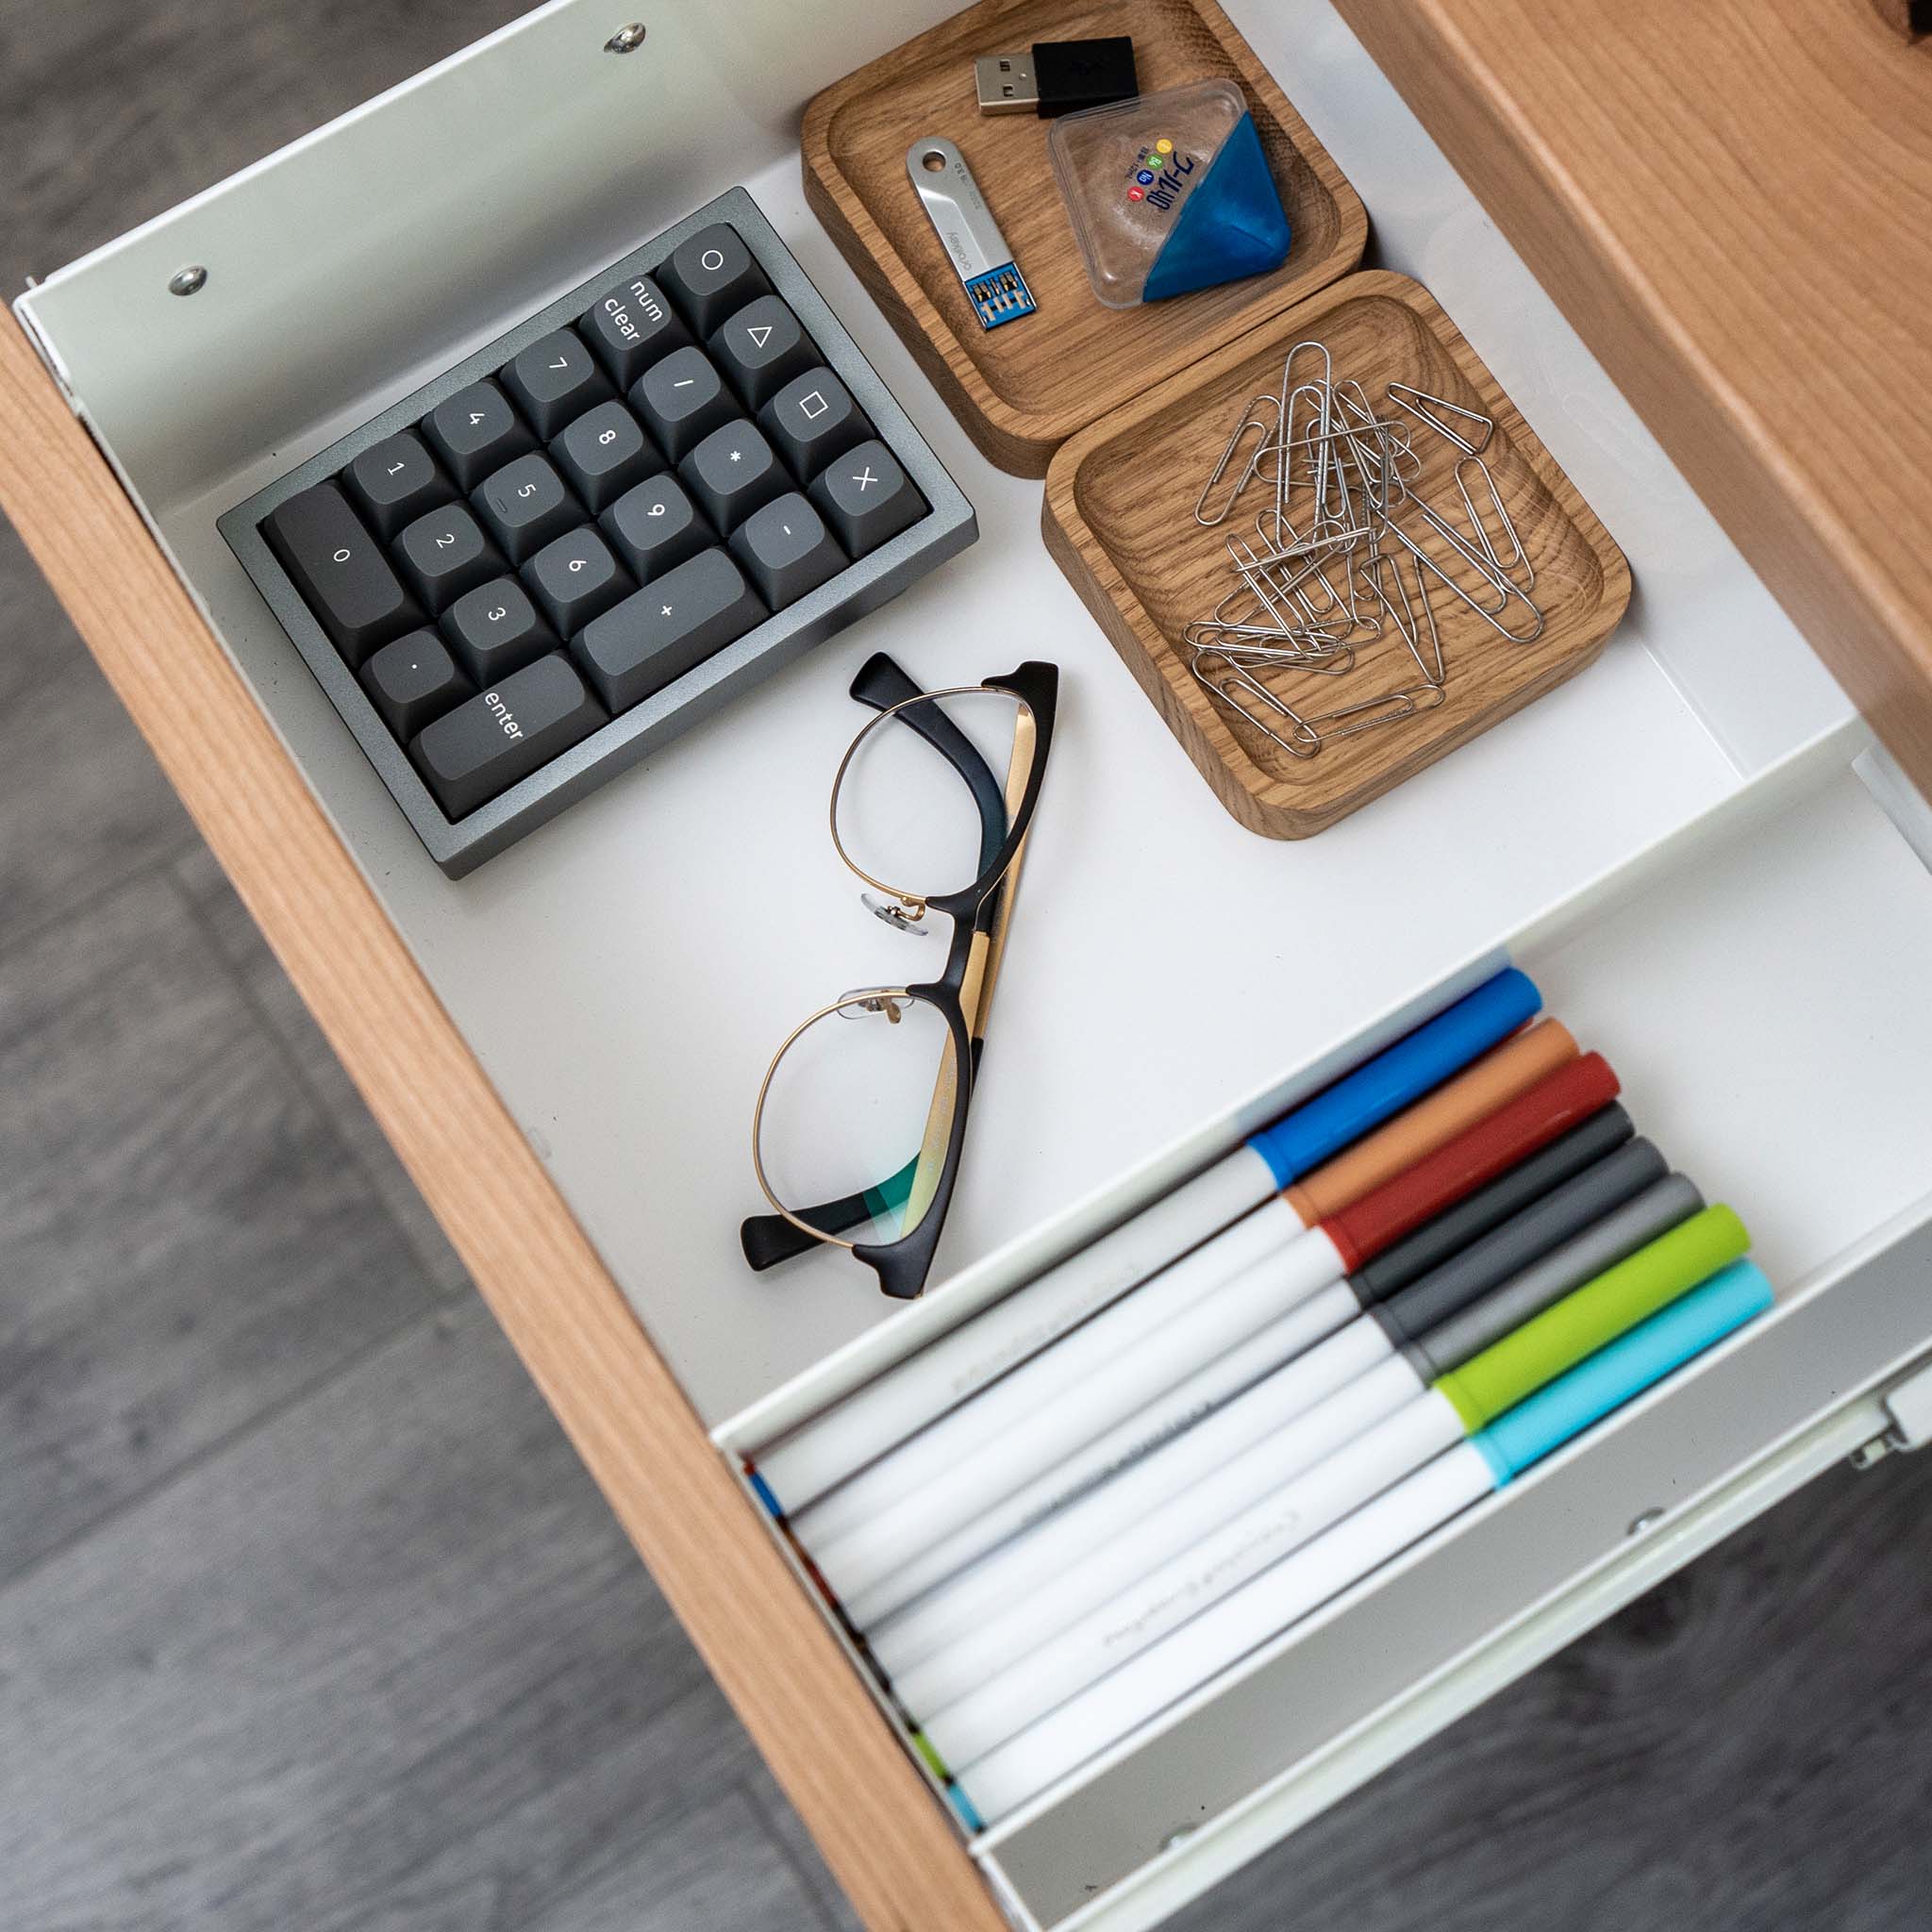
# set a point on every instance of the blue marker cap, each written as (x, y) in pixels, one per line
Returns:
(1399, 1074)
(1623, 1369)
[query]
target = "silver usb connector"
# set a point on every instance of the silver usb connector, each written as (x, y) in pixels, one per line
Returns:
(1005, 83)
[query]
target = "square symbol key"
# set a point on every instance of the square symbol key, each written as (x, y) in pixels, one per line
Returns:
(813, 420)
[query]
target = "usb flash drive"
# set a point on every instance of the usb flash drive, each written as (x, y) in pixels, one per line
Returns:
(965, 226)
(1056, 76)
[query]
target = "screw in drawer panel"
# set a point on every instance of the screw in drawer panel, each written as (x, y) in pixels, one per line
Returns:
(1643, 1524)
(188, 281)
(626, 39)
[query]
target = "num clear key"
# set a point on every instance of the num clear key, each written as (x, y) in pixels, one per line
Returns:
(631, 327)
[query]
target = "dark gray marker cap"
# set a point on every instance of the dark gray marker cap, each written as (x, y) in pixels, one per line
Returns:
(1506, 1251)
(1454, 1229)
(1658, 1209)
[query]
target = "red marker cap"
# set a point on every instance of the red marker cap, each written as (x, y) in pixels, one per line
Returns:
(1555, 1103)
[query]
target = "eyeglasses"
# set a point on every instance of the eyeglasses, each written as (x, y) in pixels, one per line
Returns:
(863, 1114)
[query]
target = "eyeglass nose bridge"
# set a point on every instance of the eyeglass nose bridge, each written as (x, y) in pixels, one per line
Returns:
(865, 1003)
(902, 914)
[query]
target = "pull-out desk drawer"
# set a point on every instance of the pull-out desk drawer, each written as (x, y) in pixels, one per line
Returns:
(1682, 845)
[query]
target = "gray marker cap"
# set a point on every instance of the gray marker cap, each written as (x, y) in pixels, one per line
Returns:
(1634, 1225)
(1529, 1234)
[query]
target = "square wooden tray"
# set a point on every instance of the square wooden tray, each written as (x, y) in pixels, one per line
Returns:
(1021, 390)
(1118, 520)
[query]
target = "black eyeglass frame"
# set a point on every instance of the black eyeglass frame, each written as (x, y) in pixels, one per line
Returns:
(979, 916)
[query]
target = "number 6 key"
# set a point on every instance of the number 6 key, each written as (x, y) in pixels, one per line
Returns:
(576, 577)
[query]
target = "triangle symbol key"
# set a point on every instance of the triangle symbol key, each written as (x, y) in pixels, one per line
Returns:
(761, 334)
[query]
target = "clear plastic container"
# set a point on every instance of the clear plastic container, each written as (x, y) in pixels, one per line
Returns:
(1169, 193)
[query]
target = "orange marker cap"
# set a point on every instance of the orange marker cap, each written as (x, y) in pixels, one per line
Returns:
(1500, 1075)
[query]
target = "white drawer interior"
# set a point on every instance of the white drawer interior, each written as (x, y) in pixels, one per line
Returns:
(625, 973)
(1752, 956)
(1758, 982)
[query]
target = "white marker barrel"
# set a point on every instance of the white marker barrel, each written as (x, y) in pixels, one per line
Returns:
(1023, 1594)
(946, 1372)
(1063, 1400)
(1201, 1571)
(1186, 1658)
(1168, 1431)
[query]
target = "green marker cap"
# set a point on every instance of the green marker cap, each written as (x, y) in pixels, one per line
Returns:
(1592, 1316)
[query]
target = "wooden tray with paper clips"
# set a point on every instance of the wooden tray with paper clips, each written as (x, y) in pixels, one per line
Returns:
(1316, 617)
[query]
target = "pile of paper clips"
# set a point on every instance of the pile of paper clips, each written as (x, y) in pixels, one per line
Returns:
(1323, 576)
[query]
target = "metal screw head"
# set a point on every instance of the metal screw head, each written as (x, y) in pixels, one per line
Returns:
(626, 39)
(187, 281)
(1643, 1524)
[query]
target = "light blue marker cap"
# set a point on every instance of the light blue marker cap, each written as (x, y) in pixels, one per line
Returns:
(1622, 1370)
(1385, 1085)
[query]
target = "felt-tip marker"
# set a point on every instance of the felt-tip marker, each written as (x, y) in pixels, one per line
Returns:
(1087, 1384)
(826, 1450)
(1498, 1077)
(1087, 1497)
(1199, 1570)
(1271, 1604)
(972, 1628)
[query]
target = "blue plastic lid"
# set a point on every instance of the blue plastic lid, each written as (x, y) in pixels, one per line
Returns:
(1231, 226)
(1622, 1370)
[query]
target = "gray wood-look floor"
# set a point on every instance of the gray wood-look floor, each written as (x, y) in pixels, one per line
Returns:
(308, 1616)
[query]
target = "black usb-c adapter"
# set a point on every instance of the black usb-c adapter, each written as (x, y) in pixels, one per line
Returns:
(1056, 76)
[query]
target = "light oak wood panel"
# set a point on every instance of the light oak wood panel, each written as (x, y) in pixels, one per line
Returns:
(1733, 204)
(882, 1832)
(1118, 518)
(1021, 390)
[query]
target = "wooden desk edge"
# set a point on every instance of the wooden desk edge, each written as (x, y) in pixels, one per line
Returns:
(1868, 640)
(885, 1837)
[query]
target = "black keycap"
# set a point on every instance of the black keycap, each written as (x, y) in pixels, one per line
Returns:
(477, 431)
(661, 632)
(604, 452)
(555, 379)
(576, 577)
(682, 399)
(813, 420)
(445, 554)
(762, 348)
(711, 276)
(786, 550)
(525, 504)
(395, 482)
(656, 526)
(483, 747)
(495, 629)
(631, 327)
(867, 497)
(341, 571)
(413, 680)
(732, 472)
